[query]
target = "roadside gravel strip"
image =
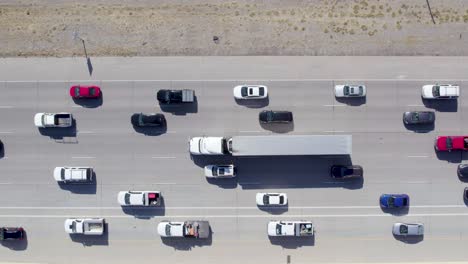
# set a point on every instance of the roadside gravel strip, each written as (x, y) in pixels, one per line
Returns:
(216, 27)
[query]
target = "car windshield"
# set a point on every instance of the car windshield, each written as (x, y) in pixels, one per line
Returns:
(346, 171)
(62, 174)
(278, 229)
(391, 201)
(266, 199)
(251, 91)
(77, 91)
(436, 91)
(168, 230)
(415, 116)
(346, 90)
(449, 143)
(403, 229)
(127, 198)
(270, 116)
(221, 171)
(214, 171)
(281, 199)
(92, 91)
(361, 90)
(261, 91)
(244, 91)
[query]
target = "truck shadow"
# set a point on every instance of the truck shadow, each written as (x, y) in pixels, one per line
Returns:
(448, 105)
(409, 239)
(90, 188)
(87, 241)
(186, 244)
(351, 101)
(253, 103)
(278, 128)
(181, 108)
(90, 102)
(16, 245)
(452, 157)
(59, 133)
(293, 242)
(145, 212)
(292, 172)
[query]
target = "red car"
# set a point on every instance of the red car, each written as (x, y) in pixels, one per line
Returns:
(85, 91)
(449, 143)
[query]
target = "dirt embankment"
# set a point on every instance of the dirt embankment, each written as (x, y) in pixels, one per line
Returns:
(214, 27)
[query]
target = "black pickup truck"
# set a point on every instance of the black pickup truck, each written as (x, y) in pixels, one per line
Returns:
(176, 96)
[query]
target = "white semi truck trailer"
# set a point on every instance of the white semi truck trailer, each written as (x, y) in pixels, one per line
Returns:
(282, 145)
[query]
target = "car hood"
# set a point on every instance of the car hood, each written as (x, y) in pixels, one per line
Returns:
(68, 226)
(57, 173)
(162, 229)
(384, 200)
(259, 198)
(272, 228)
(339, 91)
(427, 91)
(238, 91)
(38, 119)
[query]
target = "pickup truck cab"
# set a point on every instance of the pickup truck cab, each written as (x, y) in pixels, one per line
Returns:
(449, 143)
(176, 96)
(139, 198)
(46, 120)
(440, 91)
(291, 228)
(73, 174)
(85, 226)
(188, 229)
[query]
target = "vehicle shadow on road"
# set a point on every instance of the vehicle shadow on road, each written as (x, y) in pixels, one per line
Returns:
(452, 157)
(88, 241)
(88, 188)
(293, 242)
(151, 131)
(90, 102)
(396, 211)
(292, 172)
(352, 101)
(186, 244)
(409, 239)
(182, 108)
(145, 212)
(230, 183)
(420, 128)
(253, 103)
(59, 133)
(279, 128)
(448, 105)
(16, 245)
(274, 210)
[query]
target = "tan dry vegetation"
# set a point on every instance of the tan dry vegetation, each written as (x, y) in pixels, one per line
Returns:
(187, 28)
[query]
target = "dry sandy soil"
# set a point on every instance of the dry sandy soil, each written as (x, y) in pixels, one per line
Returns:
(273, 27)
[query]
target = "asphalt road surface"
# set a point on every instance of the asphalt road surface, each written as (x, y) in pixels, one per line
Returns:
(350, 226)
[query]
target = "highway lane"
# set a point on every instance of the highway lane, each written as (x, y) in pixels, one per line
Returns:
(394, 158)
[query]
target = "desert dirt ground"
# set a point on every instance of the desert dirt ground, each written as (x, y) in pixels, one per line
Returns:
(215, 27)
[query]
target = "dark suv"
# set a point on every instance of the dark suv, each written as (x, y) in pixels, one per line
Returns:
(143, 120)
(269, 116)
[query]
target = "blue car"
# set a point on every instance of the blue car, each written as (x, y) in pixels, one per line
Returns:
(394, 200)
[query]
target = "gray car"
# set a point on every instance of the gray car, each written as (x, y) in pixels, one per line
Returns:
(402, 229)
(419, 118)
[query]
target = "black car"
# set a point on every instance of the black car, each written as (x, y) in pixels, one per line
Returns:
(275, 117)
(346, 171)
(418, 117)
(11, 233)
(142, 120)
(462, 170)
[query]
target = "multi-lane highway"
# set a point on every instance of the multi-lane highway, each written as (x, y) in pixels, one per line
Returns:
(350, 226)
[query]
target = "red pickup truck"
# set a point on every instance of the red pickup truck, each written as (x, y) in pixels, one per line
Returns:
(449, 143)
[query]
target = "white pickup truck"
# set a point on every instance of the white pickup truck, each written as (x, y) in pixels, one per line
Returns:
(73, 174)
(139, 198)
(45, 120)
(190, 229)
(291, 228)
(85, 226)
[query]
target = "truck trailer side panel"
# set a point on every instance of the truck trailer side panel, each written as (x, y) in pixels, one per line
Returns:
(285, 145)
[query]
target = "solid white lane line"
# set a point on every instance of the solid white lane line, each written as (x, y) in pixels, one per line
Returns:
(162, 157)
(300, 216)
(83, 157)
(250, 131)
(6, 106)
(415, 105)
(422, 156)
(6, 132)
(77, 106)
(214, 207)
(333, 131)
(86, 132)
(335, 105)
